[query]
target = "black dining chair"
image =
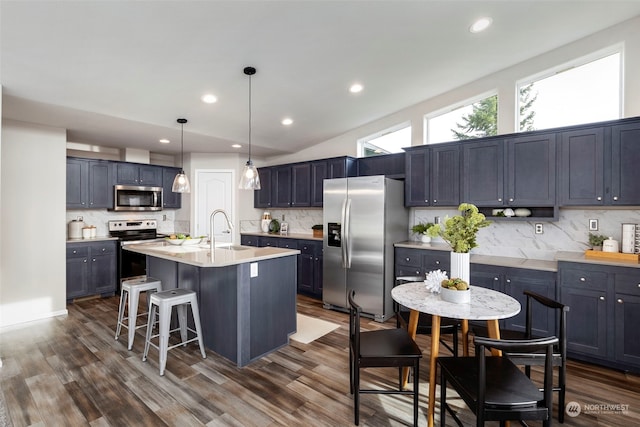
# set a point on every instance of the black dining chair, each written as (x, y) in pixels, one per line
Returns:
(536, 302)
(494, 388)
(380, 349)
(447, 326)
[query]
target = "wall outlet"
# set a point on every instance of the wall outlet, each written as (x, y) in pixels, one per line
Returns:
(593, 225)
(538, 228)
(79, 218)
(254, 269)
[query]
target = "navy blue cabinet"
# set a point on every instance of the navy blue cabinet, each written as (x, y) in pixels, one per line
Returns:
(262, 197)
(89, 184)
(300, 185)
(170, 200)
(432, 175)
(138, 174)
(390, 165)
(91, 268)
(581, 174)
(602, 324)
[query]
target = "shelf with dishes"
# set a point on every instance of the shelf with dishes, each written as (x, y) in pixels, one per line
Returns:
(541, 213)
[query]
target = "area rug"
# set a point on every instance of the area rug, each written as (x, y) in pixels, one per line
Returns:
(311, 328)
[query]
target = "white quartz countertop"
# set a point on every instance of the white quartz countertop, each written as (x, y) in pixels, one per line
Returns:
(200, 255)
(534, 264)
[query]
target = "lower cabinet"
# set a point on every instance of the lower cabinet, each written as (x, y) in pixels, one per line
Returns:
(604, 313)
(309, 259)
(513, 282)
(91, 269)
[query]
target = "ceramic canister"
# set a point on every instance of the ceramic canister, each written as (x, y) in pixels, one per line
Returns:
(628, 238)
(610, 245)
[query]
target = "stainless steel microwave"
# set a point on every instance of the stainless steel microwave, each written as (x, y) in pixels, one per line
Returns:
(137, 198)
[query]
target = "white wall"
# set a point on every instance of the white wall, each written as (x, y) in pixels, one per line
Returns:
(33, 231)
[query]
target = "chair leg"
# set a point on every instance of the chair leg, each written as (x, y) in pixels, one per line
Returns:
(150, 323)
(165, 326)
(196, 320)
(356, 394)
(455, 341)
(123, 299)
(561, 393)
(416, 390)
(133, 317)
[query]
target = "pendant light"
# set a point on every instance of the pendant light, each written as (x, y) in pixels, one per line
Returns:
(249, 180)
(181, 182)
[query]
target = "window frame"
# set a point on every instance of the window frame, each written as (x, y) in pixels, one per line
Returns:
(362, 142)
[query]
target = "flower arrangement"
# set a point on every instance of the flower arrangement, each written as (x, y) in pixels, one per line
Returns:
(460, 231)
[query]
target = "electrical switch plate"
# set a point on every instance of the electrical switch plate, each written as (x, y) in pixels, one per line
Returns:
(254, 269)
(538, 228)
(593, 225)
(79, 218)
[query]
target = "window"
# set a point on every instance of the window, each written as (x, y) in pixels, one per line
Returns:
(588, 90)
(388, 141)
(477, 118)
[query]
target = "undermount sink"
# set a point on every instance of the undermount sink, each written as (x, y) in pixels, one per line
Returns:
(232, 248)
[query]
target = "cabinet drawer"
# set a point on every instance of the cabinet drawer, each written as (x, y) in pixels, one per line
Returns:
(407, 270)
(627, 284)
(584, 279)
(310, 248)
(269, 241)
(409, 257)
(77, 251)
(436, 260)
(288, 243)
(103, 248)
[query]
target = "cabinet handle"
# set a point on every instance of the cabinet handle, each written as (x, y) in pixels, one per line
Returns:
(582, 279)
(435, 201)
(511, 199)
(417, 272)
(84, 260)
(599, 198)
(508, 280)
(407, 259)
(620, 301)
(601, 298)
(104, 249)
(75, 252)
(615, 198)
(495, 279)
(94, 260)
(500, 199)
(437, 262)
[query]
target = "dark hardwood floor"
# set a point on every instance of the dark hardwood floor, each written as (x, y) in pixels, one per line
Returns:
(69, 371)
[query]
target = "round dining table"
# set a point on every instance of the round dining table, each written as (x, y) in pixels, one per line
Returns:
(486, 304)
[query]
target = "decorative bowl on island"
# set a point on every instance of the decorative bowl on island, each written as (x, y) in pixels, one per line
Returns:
(191, 241)
(175, 242)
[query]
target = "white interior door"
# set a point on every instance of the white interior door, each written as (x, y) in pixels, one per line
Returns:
(214, 190)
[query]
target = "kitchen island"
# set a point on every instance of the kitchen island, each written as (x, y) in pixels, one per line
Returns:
(246, 295)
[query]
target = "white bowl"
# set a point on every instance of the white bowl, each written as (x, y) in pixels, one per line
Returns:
(174, 241)
(456, 297)
(522, 212)
(192, 241)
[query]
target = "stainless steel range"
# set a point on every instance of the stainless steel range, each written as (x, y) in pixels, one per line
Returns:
(129, 232)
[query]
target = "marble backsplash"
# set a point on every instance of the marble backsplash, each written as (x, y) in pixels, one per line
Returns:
(100, 219)
(518, 239)
(501, 238)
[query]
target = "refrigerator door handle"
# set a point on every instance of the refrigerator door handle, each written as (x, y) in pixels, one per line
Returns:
(346, 234)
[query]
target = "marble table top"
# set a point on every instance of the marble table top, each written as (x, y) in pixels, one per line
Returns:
(486, 304)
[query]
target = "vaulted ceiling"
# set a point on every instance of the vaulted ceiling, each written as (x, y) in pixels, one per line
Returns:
(119, 73)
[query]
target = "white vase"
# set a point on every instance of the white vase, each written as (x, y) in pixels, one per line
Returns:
(460, 266)
(425, 239)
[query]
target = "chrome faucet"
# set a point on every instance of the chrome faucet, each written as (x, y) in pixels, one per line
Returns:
(212, 240)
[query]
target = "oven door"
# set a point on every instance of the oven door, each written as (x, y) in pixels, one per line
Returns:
(132, 264)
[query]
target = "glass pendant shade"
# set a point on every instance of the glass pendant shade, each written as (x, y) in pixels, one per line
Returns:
(181, 183)
(250, 180)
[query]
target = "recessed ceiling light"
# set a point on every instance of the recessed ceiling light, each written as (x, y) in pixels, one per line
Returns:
(236, 146)
(287, 121)
(480, 25)
(209, 98)
(164, 141)
(356, 87)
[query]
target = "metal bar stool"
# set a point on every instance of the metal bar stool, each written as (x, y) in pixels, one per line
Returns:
(130, 290)
(164, 302)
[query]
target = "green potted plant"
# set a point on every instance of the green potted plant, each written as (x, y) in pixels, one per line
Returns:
(595, 240)
(422, 230)
(460, 233)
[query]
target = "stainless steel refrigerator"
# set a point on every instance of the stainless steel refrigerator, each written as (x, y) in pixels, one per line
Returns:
(363, 217)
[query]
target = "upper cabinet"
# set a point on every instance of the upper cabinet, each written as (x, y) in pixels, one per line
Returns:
(170, 200)
(390, 165)
(89, 184)
(432, 175)
(299, 185)
(518, 171)
(598, 165)
(137, 174)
